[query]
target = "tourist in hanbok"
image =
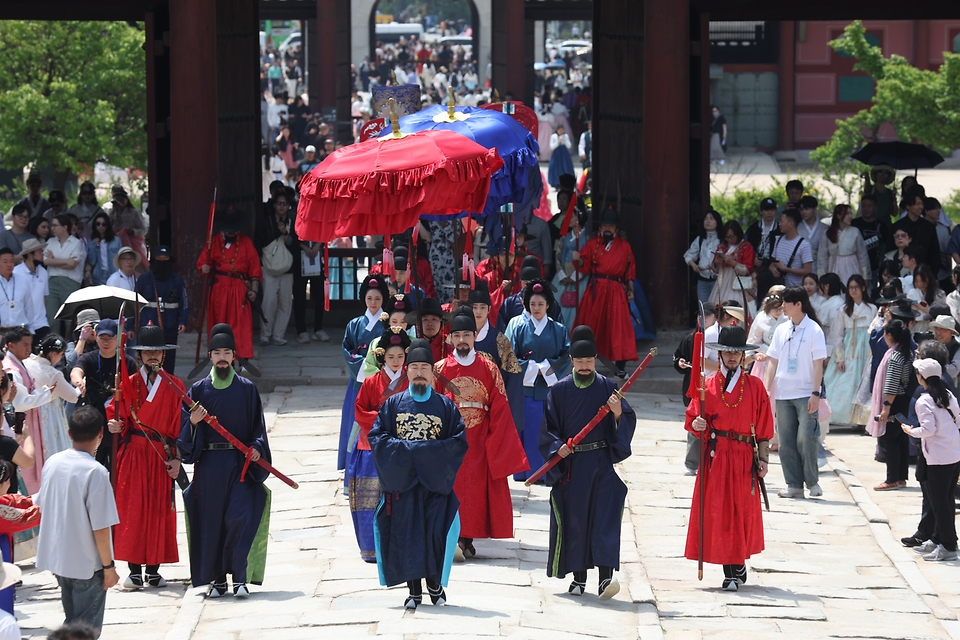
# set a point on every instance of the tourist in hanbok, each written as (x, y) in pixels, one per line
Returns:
(851, 353)
(761, 331)
(930, 294)
(842, 250)
(357, 337)
(953, 298)
(566, 278)
(811, 284)
(363, 486)
(733, 265)
(542, 346)
(53, 415)
(832, 290)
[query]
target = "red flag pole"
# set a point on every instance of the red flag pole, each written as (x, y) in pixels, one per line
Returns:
(700, 354)
(206, 276)
(119, 376)
(601, 414)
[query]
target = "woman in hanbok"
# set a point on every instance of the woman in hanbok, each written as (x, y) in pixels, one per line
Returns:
(566, 278)
(357, 337)
(733, 264)
(850, 337)
(545, 130)
(761, 334)
(53, 415)
(560, 162)
(842, 250)
(397, 306)
(542, 346)
(928, 290)
(363, 487)
(811, 284)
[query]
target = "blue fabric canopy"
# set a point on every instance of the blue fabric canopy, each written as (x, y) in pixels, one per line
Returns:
(490, 129)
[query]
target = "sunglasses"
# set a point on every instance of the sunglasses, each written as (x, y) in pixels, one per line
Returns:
(100, 223)
(86, 193)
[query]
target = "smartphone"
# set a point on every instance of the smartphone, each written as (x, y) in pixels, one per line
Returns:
(10, 376)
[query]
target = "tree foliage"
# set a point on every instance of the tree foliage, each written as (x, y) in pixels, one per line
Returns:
(72, 94)
(922, 106)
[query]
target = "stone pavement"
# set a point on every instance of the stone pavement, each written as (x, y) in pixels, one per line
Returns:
(831, 568)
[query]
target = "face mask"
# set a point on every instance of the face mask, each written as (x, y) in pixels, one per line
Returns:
(161, 269)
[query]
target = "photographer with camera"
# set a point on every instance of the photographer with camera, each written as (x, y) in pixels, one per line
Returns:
(84, 337)
(763, 234)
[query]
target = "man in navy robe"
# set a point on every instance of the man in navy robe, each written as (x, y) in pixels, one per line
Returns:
(226, 518)
(167, 300)
(587, 495)
(418, 442)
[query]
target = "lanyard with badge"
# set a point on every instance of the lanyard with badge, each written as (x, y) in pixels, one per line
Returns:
(793, 361)
(11, 300)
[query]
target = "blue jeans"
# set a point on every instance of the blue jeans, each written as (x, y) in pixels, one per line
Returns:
(799, 433)
(704, 289)
(83, 600)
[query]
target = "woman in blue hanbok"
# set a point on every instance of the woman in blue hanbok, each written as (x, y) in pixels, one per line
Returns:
(566, 278)
(851, 355)
(357, 337)
(542, 347)
(495, 346)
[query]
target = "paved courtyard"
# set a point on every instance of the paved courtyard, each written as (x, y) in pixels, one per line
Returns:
(833, 567)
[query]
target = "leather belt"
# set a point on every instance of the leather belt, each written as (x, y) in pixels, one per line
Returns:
(166, 305)
(218, 446)
(230, 274)
(590, 446)
(473, 405)
(606, 277)
(154, 436)
(730, 435)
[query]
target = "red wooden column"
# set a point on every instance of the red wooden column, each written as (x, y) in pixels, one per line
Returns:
(665, 177)
(193, 132)
(508, 48)
(788, 49)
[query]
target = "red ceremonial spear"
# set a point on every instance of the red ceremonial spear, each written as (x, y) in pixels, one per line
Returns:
(697, 366)
(216, 426)
(118, 378)
(206, 276)
(604, 410)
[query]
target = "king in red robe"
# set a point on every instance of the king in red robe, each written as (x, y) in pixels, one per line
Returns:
(494, 450)
(234, 265)
(736, 419)
(148, 425)
(608, 260)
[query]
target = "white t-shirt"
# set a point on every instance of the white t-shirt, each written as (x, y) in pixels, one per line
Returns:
(38, 288)
(782, 251)
(13, 300)
(76, 499)
(117, 279)
(795, 347)
(9, 629)
(72, 248)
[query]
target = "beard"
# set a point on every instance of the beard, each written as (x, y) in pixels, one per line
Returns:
(419, 388)
(222, 372)
(230, 237)
(463, 351)
(608, 236)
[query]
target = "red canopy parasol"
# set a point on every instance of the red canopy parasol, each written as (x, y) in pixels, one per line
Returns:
(520, 112)
(383, 185)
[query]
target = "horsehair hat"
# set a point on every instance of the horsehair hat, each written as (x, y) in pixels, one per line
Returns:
(732, 339)
(540, 287)
(480, 295)
(230, 220)
(464, 320)
(221, 337)
(429, 307)
(530, 273)
(420, 351)
(374, 281)
(400, 263)
(609, 215)
(903, 310)
(151, 338)
(583, 343)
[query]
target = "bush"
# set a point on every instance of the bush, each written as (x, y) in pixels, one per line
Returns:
(952, 206)
(743, 205)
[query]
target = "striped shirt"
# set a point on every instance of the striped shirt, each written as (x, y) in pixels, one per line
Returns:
(899, 370)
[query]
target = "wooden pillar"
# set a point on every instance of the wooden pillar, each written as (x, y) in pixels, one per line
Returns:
(193, 132)
(332, 55)
(666, 151)
(509, 48)
(238, 107)
(921, 44)
(788, 49)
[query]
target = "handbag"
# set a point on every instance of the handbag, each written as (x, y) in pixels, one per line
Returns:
(277, 259)
(568, 298)
(742, 283)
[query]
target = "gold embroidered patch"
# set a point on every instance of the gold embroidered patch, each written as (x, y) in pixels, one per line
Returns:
(418, 426)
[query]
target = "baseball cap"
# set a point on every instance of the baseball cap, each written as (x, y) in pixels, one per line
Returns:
(107, 327)
(767, 204)
(310, 149)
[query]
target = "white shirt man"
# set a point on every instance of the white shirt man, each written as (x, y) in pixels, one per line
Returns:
(37, 284)
(13, 292)
(125, 276)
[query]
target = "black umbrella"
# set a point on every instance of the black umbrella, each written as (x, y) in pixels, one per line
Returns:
(899, 155)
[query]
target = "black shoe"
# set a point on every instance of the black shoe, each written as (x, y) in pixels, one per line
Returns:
(217, 590)
(437, 596)
(577, 588)
(740, 574)
(730, 584)
(155, 580)
(411, 602)
(622, 373)
(911, 541)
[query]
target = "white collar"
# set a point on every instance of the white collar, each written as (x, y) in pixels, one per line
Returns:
(372, 318)
(538, 327)
(764, 227)
(483, 331)
(736, 376)
(152, 388)
(393, 375)
(465, 362)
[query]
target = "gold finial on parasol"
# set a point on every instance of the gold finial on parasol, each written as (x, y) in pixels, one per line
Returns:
(451, 115)
(496, 97)
(393, 78)
(395, 134)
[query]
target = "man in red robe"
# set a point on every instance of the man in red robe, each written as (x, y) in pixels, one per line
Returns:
(737, 425)
(147, 461)
(608, 259)
(494, 450)
(433, 326)
(235, 265)
(501, 272)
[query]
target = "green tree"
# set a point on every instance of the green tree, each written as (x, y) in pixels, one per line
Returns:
(922, 106)
(72, 94)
